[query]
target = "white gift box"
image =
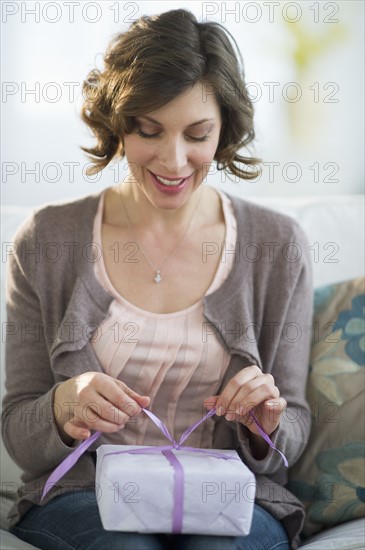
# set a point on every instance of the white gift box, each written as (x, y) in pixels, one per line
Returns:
(137, 492)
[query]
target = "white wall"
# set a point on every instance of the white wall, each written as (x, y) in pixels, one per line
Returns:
(313, 146)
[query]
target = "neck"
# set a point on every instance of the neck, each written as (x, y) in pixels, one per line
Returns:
(145, 215)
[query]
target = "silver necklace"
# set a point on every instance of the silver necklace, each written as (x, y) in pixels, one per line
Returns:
(158, 277)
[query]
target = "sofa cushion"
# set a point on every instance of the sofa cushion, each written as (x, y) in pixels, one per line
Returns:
(348, 536)
(10, 542)
(329, 476)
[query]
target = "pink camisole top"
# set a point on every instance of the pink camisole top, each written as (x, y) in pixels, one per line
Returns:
(172, 357)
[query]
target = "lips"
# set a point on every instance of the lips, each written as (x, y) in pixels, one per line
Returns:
(167, 184)
(167, 180)
(173, 182)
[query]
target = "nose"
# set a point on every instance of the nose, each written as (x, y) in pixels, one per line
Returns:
(173, 155)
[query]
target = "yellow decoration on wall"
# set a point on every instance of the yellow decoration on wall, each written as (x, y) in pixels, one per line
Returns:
(309, 45)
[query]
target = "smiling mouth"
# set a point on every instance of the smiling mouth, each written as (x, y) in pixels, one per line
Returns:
(170, 182)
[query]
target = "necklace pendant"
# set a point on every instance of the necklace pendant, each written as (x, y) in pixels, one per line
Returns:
(157, 277)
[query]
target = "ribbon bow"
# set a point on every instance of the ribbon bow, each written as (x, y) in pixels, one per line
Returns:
(71, 460)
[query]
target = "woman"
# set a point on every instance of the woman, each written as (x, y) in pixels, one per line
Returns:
(160, 292)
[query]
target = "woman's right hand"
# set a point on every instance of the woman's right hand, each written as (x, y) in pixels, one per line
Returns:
(94, 401)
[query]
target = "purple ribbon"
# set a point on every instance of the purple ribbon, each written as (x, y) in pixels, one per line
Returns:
(71, 460)
(68, 462)
(267, 438)
(178, 497)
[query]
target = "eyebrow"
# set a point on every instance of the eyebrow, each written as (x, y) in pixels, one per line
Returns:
(189, 125)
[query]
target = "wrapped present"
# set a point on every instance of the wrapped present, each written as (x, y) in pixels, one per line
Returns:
(171, 489)
(149, 490)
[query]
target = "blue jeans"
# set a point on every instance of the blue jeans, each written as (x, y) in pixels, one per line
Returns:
(72, 522)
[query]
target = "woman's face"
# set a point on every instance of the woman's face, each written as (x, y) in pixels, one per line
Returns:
(171, 149)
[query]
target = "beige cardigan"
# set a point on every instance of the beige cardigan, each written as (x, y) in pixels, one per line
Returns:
(262, 314)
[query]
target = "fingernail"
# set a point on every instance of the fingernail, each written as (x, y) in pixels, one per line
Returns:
(229, 416)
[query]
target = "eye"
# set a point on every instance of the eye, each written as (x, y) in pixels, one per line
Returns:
(157, 134)
(199, 139)
(147, 136)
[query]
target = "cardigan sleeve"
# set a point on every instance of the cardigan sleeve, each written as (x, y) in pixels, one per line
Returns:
(27, 416)
(286, 357)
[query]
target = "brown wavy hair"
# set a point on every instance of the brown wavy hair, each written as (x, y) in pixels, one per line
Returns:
(155, 60)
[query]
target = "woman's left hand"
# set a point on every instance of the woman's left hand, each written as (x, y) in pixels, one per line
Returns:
(250, 389)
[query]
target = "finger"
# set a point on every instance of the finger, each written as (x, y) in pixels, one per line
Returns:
(268, 415)
(132, 405)
(79, 428)
(210, 402)
(275, 408)
(258, 391)
(234, 386)
(123, 397)
(104, 410)
(142, 401)
(250, 395)
(130, 392)
(76, 430)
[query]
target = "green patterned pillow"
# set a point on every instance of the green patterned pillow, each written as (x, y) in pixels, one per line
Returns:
(330, 476)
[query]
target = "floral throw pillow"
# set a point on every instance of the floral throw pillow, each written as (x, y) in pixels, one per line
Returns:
(330, 476)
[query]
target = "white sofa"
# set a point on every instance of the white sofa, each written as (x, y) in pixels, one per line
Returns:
(335, 230)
